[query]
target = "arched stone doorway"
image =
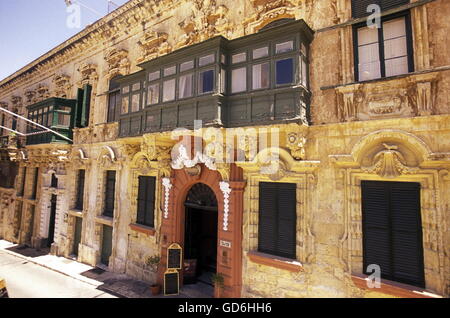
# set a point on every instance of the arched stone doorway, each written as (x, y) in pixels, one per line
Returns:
(200, 235)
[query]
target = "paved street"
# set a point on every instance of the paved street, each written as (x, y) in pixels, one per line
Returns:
(28, 280)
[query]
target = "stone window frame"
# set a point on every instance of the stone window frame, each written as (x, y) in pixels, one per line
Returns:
(432, 178)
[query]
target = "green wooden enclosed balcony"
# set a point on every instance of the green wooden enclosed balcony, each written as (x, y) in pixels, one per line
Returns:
(54, 113)
(254, 80)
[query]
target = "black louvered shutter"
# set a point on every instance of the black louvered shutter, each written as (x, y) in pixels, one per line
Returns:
(359, 7)
(80, 190)
(407, 233)
(392, 231)
(150, 201)
(110, 193)
(277, 219)
(267, 232)
(376, 226)
(287, 217)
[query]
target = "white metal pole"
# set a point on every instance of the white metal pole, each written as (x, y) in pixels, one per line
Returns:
(36, 124)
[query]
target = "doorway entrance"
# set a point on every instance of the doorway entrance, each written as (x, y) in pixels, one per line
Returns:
(51, 226)
(200, 239)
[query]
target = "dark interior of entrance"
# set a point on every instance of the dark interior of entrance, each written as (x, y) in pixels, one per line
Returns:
(200, 242)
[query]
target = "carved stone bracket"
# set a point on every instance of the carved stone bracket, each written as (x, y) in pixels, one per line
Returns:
(118, 62)
(88, 74)
(296, 141)
(62, 85)
(153, 44)
(347, 107)
(226, 190)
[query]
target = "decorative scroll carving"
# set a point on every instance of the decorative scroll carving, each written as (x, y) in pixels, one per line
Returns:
(62, 85)
(42, 93)
(88, 74)
(30, 94)
(78, 157)
(182, 160)
(153, 150)
(129, 150)
(118, 62)
(207, 19)
(347, 107)
(226, 190)
(16, 101)
(268, 11)
(295, 142)
(153, 44)
(167, 186)
(389, 163)
(106, 157)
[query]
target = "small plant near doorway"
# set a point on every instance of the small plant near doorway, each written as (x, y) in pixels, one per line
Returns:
(218, 281)
(153, 263)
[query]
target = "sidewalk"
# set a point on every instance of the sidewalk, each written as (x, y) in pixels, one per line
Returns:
(119, 285)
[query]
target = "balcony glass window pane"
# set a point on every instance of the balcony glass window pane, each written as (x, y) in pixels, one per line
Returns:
(65, 108)
(50, 118)
(206, 82)
(284, 47)
(261, 52)
(136, 86)
(125, 103)
(205, 60)
(135, 102)
(170, 70)
(304, 72)
(153, 94)
(223, 59)
(238, 58)
(125, 89)
(186, 66)
(239, 80)
(153, 76)
(169, 90)
(261, 75)
(185, 86)
(63, 119)
(284, 71)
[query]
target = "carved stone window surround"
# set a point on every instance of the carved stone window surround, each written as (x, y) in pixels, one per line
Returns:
(431, 171)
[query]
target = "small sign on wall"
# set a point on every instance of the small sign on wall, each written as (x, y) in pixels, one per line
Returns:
(174, 256)
(171, 282)
(225, 243)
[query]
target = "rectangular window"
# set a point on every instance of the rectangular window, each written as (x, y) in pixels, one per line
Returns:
(205, 60)
(125, 102)
(186, 66)
(80, 190)
(136, 86)
(153, 94)
(135, 98)
(284, 47)
(277, 219)
(185, 86)
(238, 58)
(169, 90)
(206, 82)
(384, 52)
(261, 77)
(63, 119)
(35, 184)
(146, 201)
(284, 71)
(239, 80)
(153, 76)
(113, 98)
(110, 188)
(170, 70)
(260, 52)
(392, 230)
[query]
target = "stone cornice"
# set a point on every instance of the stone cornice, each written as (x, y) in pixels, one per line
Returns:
(94, 30)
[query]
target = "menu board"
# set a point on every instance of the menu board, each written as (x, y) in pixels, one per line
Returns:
(171, 282)
(174, 256)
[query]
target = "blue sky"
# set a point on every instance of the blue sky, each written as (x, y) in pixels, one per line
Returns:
(30, 28)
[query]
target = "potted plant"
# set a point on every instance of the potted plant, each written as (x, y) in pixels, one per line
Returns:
(153, 262)
(219, 283)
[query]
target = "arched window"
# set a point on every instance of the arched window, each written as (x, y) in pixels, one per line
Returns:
(113, 100)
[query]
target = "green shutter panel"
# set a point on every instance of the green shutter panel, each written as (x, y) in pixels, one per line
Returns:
(78, 108)
(407, 233)
(376, 226)
(267, 228)
(110, 193)
(287, 220)
(86, 105)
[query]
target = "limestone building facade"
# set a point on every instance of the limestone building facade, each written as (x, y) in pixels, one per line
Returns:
(325, 145)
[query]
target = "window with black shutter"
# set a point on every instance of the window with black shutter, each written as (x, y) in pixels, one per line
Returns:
(35, 184)
(360, 7)
(109, 193)
(146, 201)
(277, 219)
(22, 185)
(80, 190)
(54, 181)
(392, 230)
(113, 100)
